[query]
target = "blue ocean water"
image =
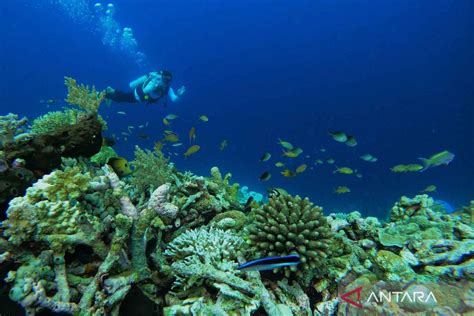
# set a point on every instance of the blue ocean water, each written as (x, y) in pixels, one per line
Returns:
(398, 75)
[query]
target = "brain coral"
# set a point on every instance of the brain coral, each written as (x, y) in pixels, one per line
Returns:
(291, 225)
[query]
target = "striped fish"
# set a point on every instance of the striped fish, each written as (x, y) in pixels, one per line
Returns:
(270, 263)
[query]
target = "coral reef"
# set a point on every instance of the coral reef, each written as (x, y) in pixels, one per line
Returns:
(42, 153)
(12, 129)
(80, 239)
(151, 169)
(291, 225)
(88, 99)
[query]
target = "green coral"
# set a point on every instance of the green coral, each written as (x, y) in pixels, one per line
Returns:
(57, 120)
(103, 156)
(208, 246)
(291, 225)
(151, 169)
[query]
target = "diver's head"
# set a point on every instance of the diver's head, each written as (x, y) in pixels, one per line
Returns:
(166, 76)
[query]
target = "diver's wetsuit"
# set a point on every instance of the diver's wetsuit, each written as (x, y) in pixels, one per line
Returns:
(120, 96)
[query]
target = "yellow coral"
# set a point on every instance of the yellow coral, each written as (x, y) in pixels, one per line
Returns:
(82, 96)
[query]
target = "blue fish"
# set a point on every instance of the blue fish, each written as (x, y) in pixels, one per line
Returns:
(445, 206)
(270, 263)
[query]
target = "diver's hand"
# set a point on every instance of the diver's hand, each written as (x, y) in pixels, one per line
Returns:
(181, 91)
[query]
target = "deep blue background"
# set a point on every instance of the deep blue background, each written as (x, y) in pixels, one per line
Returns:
(396, 74)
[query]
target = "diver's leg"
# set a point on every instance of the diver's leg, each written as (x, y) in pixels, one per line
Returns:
(120, 96)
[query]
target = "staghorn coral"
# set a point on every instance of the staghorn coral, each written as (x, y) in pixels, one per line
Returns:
(88, 99)
(12, 129)
(291, 225)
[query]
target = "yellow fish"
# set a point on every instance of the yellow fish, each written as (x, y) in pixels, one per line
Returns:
(279, 164)
(430, 188)
(170, 117)
(172, 138)
(287, 173)
(341, 190)
(223, 145)
(120, 166)
(285, 144)
(301, 168)
(293, 153)
(204, 118)
(191, 150)
(192, 134)
(406, 168)
(158, 146)
(166, 122)
(343, 170)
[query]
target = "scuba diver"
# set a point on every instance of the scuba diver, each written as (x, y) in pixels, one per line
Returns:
(148, 88)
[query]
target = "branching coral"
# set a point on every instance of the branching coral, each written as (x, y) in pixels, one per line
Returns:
(151, 169)
(12, 128)
(291, 225)
(88, 99)
(208, 246)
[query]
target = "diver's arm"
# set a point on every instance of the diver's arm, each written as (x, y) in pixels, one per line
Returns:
(135, 83)
(175, 96)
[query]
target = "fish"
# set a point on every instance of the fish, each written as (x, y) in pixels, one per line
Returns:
(351, 141)
(341, 190)
(177, 144)
(270, 263)
(158, 146)
(338, 136)
(368, 158)
(120, 166)
(358, 175)
(279, 164)
(171, 117)
(265, 176)
(204, 118)
(406, 168)
(166, 122)
(343, 170)
(307, 156)
(125, 134)
(191, 150)
(192, 134)
(295, 152)
(441, 158)
(276, 192)
(430, 188)
(223, 145)
(301, 168)
(287, 173)
(265, 157)
(146, 124)
(445, 206)
(141, 126)
(248, 204)
(323, 150)
(121, 113)
(172, 138)
(285, 144)
(330, 161)
(319, 161)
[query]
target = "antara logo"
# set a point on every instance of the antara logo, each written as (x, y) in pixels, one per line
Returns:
(389, 297)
